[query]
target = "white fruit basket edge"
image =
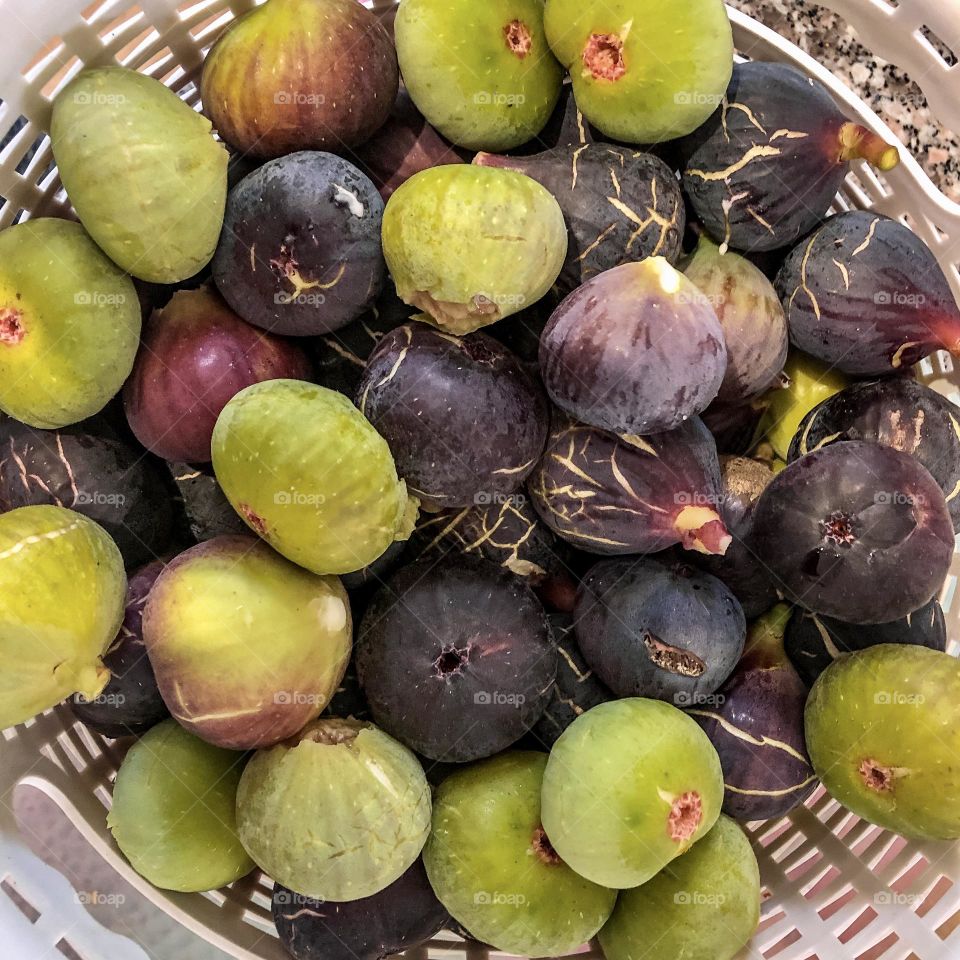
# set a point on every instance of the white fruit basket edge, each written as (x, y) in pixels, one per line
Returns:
(836, 888)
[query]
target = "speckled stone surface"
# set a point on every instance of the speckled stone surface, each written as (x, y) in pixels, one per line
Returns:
(888, 90)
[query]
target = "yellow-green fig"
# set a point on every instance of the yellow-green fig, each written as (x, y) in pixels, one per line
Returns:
(143, 171)
(62, 595)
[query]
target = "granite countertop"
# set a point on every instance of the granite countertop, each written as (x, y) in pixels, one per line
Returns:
(888, 90)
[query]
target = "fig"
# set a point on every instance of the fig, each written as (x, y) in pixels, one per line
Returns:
(620, 205)
(704, 905)
(465, 422)
(455, 660)
(743, 482)
(300, 251)
(403, 146)
(208, 511)
(807, 382)
(196, 355)
(841, 520)
(643, 71)
(400, 917)
(348, 699)
(636, 350)
(650, 630)
(500, 80)
(143, 171)
(173, 811)
(898, 412)
(866, 295)
(575, 691)
(813, 642)
(755, 721)
(750, 314)
(735, 425)
(102, 477)
(494, 869)
(300, 75)
(471, 245)
(130, 704)
(610, 494)
(336, 813)
(69, 324)
(629, 786)
(774, 129)
(63, 589)
(881, 727)
(310, 475)
(247, 648)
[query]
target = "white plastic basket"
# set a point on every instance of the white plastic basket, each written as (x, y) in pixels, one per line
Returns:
(836, 888)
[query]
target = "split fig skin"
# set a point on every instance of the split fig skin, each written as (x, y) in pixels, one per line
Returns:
(280, 636)
(300, 75)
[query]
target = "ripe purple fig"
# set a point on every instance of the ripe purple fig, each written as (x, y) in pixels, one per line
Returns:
(611, 495)
(765, 168)
(755, 721)
(856, 531)
(195, 355)
(637, 349)
(866, 295)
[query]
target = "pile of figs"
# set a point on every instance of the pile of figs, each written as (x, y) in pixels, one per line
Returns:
(464, 499)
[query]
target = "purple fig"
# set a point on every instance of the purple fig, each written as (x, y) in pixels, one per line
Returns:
(611, 495)
(856, 531)
(195, 355)
(755, 721)
(208, 510)
(734, 426)
(620, 205)
(464, 420)
(765, 168)
(866, 295)
(637, 350)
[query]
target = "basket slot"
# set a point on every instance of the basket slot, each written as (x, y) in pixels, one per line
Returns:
(19, 900)
(937, 47)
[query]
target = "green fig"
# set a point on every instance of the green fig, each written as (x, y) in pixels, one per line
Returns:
(143, 171)
(63, 591)
(69, 324)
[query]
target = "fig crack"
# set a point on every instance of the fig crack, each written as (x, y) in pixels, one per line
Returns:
(686, 812)
(519, 40)
(674, 659)
(603, 57)
(543, 848)
(11, 326)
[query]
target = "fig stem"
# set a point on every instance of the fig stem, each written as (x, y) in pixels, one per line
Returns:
(764, 647)
(859, 143)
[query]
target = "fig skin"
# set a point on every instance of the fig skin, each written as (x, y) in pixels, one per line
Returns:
(635, 350)
(99, 475)
(615, 495)
(403, 146)
(750, 314)
(300, 75)
(209, 513)
(471, 245)
(143, 171)
(500, 80)
(173, 813)
(281, 638)
(704, 906)
(866, 295)
(775, 128)
(486, 840)
(625, 92)
(130, 704)
(273, 447)
(620, 205)
(650, 630)
(400, 917)
(813, 642)
(298, 814)
(196, 355)
(69, 324)
(881, 728)
(629, 786)
(897, 412)
(837, 522)
(300, 251)
(471, 690)
(63, 588)
(464, 420)
(756, 724)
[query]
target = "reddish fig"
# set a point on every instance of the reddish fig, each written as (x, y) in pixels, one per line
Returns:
(764, 170)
